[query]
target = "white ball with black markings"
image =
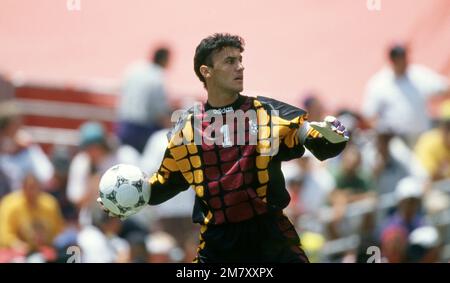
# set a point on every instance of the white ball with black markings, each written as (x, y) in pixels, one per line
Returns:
(124, 189)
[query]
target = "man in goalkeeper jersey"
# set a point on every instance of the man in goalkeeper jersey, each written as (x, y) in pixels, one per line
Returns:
(234, 165)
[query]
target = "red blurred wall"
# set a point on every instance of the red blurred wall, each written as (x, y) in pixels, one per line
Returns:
(292, 46)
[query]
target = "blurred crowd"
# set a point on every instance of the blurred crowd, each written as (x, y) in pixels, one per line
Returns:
(384, 199)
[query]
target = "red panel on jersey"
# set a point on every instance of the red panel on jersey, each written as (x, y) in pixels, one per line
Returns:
(229, 154)
(239, 212)
(235, 197)
(230, 168)
(210, 158)
(212, 173)
(213, 188)
(231, 182)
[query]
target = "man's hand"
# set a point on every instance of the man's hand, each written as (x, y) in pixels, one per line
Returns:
(331, 129)
(99, 201)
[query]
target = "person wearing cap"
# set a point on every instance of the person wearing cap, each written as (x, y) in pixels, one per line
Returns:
(95, 156)
(408, 194)
(424, 245)
(161, 247)
(433, 147)
(396, 96)
(408, 216)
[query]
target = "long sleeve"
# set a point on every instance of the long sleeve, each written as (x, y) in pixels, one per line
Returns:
(167, 182)
(291, 126)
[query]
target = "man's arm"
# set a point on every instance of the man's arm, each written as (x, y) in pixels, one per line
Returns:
(325, 139)
(166, 184)
(168, 181)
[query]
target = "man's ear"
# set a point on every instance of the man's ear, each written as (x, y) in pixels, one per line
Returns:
(204, 70)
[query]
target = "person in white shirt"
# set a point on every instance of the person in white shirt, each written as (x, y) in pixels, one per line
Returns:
(100, 243)
(18, 153)
(96, 155)
(143, 104)
(396, 97)
(310, 185)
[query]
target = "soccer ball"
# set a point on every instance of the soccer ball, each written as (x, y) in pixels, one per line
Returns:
(124, 190)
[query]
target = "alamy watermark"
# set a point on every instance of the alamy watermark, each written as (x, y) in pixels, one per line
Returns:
(73, 5)
(74, 254)
(373, 5)
(375, 255)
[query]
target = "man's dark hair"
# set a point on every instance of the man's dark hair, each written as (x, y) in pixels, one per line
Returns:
(214, 43)
(397, 51)
(161, 56)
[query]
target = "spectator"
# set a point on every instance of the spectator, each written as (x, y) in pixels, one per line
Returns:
(60, 158)
(95, 157)
(433, 147)
(313, 243)
(352, 184)
(407, 217)
(387, 170)
(394, 244)
(18, 153)
(99, 242)
(351, 181)
(396, 97)
(67, 239)
(138, 250)
(314, 107)
(29, 219)
(143, 106)
(424, 245)
(309, 185)
(162, 248)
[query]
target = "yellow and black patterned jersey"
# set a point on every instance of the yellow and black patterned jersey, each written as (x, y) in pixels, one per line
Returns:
(241, 177)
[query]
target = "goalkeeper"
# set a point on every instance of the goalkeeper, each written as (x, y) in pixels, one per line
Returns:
(234, 165)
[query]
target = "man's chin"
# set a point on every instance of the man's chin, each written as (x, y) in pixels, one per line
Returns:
(239, 89)
(235, 89)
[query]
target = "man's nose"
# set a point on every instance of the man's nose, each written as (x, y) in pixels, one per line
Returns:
(241, 66)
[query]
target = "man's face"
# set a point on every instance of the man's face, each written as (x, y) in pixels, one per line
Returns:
(315, 111)
(31, 188)
(409, 207)
(96, 152)
(227, 73)
(399, 65)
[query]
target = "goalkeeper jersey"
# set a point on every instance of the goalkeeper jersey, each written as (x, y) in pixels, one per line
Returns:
(239, 177)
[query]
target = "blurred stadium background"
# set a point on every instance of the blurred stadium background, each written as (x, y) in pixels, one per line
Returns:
(63, 63)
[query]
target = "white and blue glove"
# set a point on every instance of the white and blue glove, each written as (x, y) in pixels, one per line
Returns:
(331, 129)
